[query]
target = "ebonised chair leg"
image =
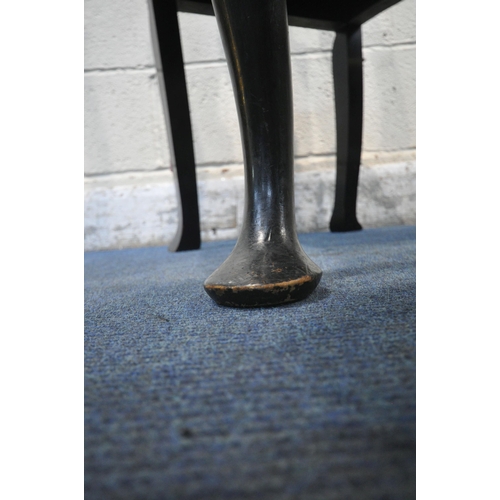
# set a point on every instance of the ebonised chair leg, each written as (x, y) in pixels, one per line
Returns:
(348, 83)
(267, 266)
(172, 80)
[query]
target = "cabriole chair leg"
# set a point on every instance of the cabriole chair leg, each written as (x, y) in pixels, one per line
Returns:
(173, 91)
(268, 265)
(348, 84)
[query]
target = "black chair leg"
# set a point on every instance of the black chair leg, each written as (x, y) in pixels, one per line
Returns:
(268, 265)
(348, 84)
(172, 80)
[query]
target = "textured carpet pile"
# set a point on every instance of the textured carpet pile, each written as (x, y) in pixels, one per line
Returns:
(312, 400)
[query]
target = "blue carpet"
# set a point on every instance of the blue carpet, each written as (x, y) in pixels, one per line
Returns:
(185, 399)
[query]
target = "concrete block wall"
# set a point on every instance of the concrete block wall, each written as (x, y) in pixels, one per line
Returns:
(129, 192)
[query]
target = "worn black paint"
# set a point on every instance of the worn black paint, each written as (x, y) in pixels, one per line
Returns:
(267, 265)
